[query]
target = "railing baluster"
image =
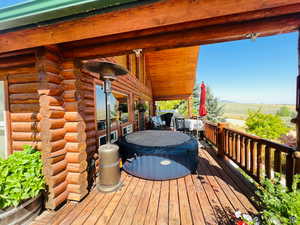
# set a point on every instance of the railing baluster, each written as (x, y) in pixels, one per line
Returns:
(246, 153)
(277, 161)
(252, 156)
(242, 149)
(237, 146)
(289, 173)
(233, 146)
(259, 161)
(268, 161)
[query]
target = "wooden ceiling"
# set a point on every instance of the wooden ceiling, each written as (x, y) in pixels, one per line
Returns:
(172, 72)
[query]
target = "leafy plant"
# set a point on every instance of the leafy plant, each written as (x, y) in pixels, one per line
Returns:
(265, 125)
(20, 177)
(280, 206)
(284, 111)
(141, 107)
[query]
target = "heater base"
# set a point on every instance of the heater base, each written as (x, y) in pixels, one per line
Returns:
(106, 189)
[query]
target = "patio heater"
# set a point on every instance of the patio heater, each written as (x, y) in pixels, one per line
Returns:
(109, 175)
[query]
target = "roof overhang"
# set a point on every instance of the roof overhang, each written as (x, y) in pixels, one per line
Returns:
(172, 72)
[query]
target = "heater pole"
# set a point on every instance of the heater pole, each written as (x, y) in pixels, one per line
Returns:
(107, 91)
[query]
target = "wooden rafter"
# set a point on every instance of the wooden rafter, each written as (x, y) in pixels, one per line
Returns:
(154, 16)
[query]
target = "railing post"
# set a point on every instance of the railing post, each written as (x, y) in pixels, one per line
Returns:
(221, 139)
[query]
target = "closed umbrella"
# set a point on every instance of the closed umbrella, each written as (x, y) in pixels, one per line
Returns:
(202, 107)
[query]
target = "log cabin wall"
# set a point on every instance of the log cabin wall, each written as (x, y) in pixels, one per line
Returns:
(76, 134)
(52, 108)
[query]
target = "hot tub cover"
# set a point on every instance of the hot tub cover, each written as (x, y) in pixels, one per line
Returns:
(159, 155)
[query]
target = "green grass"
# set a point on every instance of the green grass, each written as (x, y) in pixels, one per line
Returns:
(241, 109)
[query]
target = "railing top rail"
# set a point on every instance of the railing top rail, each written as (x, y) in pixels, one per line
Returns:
(211, 123)
(281, 147)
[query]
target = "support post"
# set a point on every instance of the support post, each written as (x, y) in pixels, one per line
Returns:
(221, 139)
(297, 119)
(153, 108)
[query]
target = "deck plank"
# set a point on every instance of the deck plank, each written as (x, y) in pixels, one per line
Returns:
(141, 210)
(198, 217)
(174, 214)
(224, 182)
(208, 198)
(184, 206)
(136, 197)
(121, 208)
(163, 210)
(241, 190)
(151, 215)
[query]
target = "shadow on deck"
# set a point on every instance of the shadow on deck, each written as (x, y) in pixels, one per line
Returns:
(210, 198)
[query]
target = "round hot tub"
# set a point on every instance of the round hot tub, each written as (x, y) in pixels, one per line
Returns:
(159, 155)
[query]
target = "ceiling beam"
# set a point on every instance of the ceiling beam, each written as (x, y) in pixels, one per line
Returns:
(155, 15)
(190, 37)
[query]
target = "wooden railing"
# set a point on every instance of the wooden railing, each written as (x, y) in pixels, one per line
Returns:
(256, 156)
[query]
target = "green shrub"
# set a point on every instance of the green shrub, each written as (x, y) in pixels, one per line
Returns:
(20, 177)
(265, 125)
(280, 206)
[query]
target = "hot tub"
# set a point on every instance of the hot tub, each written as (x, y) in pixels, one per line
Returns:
(159, 155)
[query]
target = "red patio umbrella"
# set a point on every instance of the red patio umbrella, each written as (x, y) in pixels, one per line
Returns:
(202, 107)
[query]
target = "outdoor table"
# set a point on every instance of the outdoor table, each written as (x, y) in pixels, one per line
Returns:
(191, 124)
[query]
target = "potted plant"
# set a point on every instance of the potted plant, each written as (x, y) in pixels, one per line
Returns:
(123, 108)
(141, 107)
(21, 184)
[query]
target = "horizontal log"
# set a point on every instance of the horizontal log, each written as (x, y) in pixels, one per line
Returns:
(69, 84)
(70, 95)
(53, 135)
(77, 178)
(24, 98)
(91, 141)
(87, 87)
(76, 188)
(25, 136)
(48, 66)
(88, 95)
(25, 126)
(53, 156)
(53, 160)
(50, 89)
(90, 110)
(56, 145)
(91, 134)
(77, 167)
(54, 203)
(89, 118)
(24, 87)
(89, 102)
(18, 145)
(75, 157)
(75, 147)
(25, 117)
(73, 116)
(57, 190)
(74, 126)
(23, 78)
(75, 137)
(53, 169)
(48, 111)
(28, 69)
(68, 74)
(91, 148)
(77, 197)
(68, 65)
(72, 106)
(17, 61)
(52, 123)
(24, 108)
(56, 179)
(91, 125)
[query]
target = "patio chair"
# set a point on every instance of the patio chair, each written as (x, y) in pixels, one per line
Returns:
(180, 125)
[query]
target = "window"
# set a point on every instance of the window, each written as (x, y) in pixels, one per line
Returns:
(118, 107)
(3, 144)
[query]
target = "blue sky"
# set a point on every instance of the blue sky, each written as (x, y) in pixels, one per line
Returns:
(261, 71)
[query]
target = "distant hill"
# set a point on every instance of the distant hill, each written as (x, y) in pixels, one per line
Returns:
(236, 110)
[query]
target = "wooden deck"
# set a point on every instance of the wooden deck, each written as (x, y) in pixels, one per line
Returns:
(211, 198)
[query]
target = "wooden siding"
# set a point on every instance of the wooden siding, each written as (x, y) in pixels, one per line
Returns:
(208, 199)
(172, 72)
(52, 108)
